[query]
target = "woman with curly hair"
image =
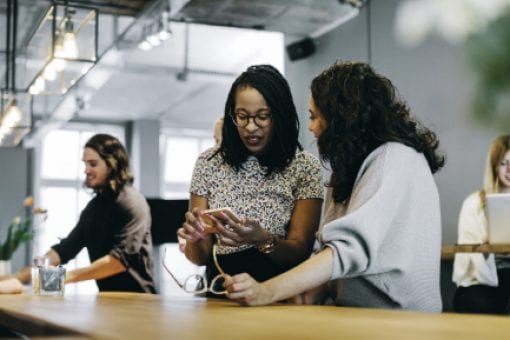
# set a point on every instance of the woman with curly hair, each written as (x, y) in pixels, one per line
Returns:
(380, 238)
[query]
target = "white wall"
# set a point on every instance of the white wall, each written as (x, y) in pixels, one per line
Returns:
(14, 187)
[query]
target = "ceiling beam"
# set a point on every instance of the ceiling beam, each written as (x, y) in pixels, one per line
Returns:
(113, 7)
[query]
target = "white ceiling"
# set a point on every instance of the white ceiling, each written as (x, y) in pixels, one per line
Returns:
(133, 84)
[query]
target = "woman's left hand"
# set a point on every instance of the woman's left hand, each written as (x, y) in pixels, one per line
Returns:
(235, 233)
(11, 286)
(248, 292)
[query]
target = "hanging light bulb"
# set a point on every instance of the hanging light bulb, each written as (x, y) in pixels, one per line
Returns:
(70, 45)
(12, 115)
(65, 44)
(60, 64)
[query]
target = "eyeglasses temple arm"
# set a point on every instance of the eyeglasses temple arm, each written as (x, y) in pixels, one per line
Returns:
(169, 272)
(215, 259)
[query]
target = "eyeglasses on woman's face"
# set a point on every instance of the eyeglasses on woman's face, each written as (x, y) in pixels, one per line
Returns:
(261, 119)
(197, 283)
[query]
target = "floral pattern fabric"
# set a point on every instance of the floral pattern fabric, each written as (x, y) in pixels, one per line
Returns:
(248, 193)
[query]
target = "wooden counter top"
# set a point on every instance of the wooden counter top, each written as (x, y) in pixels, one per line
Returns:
(139, 316)
(448, 251)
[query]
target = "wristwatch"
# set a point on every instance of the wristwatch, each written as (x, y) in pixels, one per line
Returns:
(268, 246)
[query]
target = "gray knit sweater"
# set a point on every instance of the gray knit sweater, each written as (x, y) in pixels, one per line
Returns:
(386, 239)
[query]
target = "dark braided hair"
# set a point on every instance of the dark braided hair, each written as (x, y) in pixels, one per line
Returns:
(362, 112)
(110, 149)
(280, 151)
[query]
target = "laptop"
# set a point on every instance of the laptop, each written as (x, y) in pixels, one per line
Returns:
(498, 215)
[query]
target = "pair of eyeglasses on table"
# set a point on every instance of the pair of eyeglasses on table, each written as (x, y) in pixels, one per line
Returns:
(197, 283)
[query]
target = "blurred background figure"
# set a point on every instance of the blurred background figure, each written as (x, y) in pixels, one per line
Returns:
(115, 226)
(483, 280)
(218, 137)
(218, 128)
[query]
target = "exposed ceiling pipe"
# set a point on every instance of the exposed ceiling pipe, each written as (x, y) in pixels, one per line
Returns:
(183, 75)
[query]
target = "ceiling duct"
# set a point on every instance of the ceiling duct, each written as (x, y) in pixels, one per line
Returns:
(305, 19)
(294, 17)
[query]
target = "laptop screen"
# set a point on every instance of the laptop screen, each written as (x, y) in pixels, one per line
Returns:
(498, 216)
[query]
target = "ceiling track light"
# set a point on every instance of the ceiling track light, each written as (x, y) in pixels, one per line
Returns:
(145, 45)
(155, 33)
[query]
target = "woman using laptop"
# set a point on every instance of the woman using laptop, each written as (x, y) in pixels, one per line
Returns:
(483, 280)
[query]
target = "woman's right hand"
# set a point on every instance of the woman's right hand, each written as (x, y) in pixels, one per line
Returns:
(192, 229)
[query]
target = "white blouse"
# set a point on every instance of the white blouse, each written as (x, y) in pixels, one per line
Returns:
(473, 268)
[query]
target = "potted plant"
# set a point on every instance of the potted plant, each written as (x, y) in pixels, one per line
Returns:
(19, 231)
(488, 52)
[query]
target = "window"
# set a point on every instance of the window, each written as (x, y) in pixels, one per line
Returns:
(180, 150)
(61, 188)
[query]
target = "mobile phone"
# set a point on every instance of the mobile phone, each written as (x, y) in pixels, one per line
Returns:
(218, 214)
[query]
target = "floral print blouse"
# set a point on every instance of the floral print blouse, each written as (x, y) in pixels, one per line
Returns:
(248, 193)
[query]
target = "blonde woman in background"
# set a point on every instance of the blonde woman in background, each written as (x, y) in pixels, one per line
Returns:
(483, 280)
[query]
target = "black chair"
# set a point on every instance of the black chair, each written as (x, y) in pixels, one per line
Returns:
(167, 217)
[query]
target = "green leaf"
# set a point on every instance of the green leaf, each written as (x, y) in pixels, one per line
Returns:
(489, 55)
(17, 234)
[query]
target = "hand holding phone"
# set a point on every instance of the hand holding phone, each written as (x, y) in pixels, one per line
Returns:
(217, 213)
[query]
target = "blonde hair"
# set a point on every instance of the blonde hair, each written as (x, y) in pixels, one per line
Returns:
(496, 153)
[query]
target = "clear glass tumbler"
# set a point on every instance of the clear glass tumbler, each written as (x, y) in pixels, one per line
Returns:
(38, 262)
(52, 280)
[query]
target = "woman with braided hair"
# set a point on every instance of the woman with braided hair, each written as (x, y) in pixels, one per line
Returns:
(262, 174)
(380, 238)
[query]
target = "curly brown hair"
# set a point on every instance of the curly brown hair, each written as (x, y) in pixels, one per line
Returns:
(362, 112)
